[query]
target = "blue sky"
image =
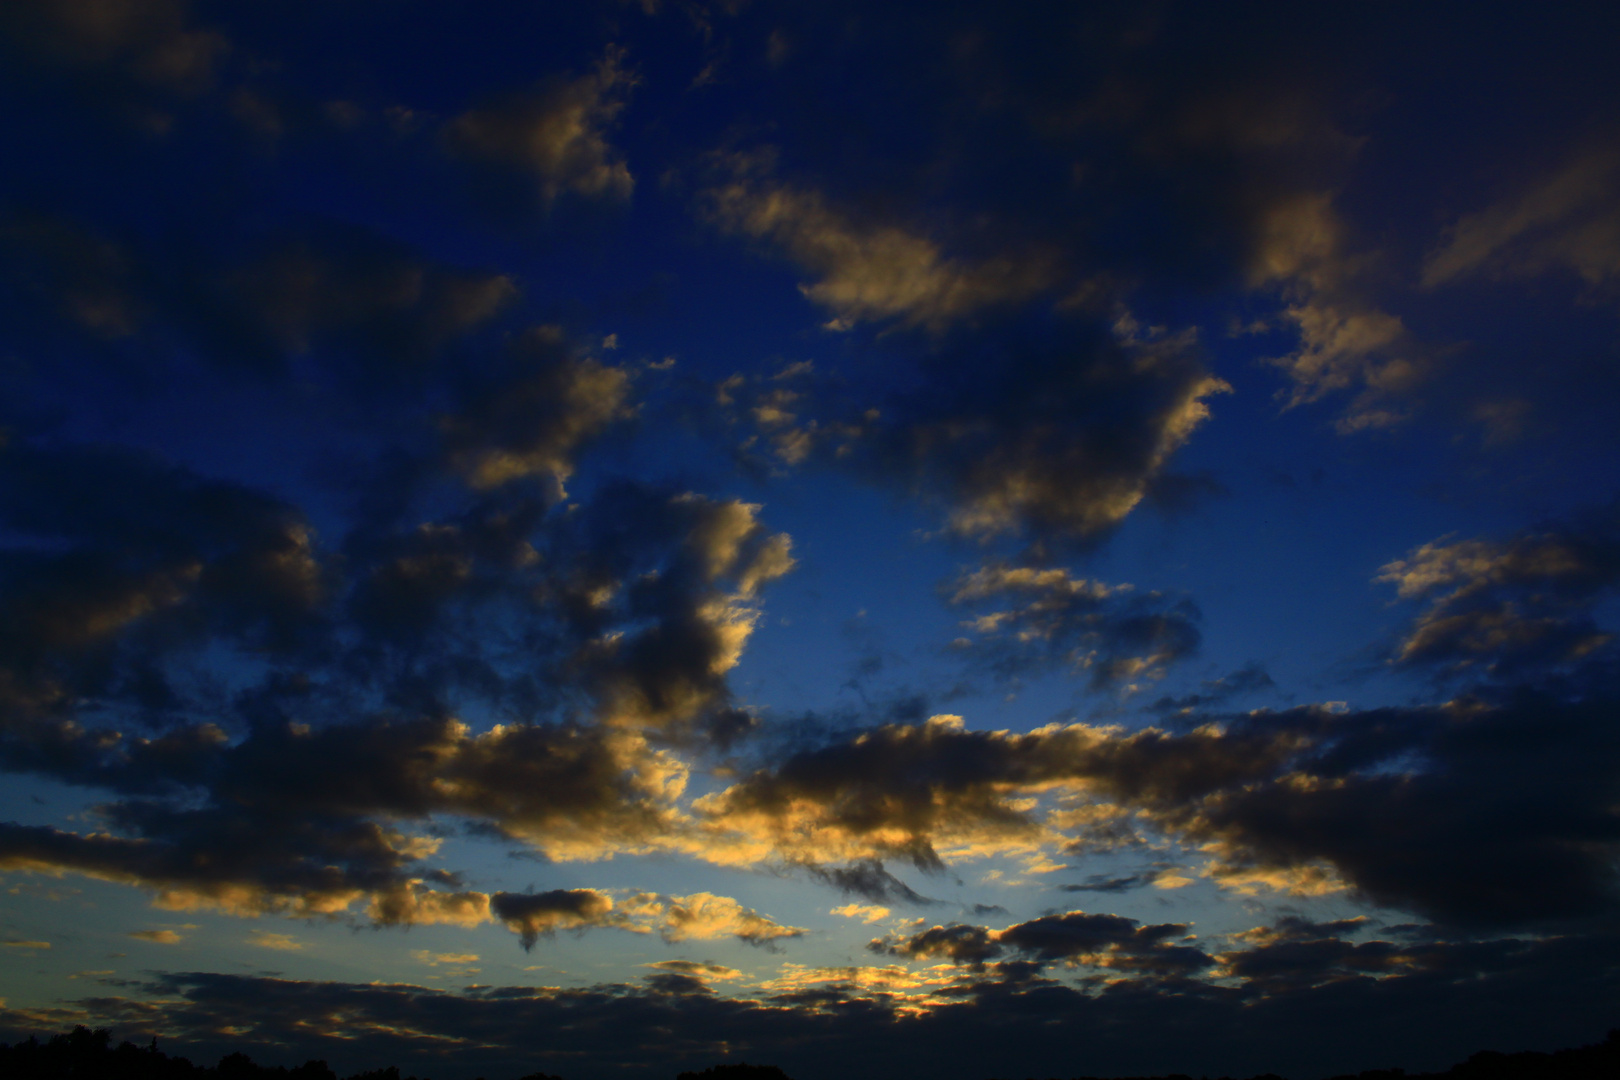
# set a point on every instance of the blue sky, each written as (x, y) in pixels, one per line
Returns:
(1079, 540)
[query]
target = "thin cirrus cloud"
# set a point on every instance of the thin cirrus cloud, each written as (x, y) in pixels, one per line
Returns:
(1567, 219)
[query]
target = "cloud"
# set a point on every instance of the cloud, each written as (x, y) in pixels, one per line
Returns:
(25, 944)
(1475, 991)
(433, 959)
(1345, 341)
(1508, 606)
(351, 294)
(698, 917)
(157, 937)
(369, 314)
(696, 969)
(913, 791)
(535, 915)
(1471, 813)
(1054, 435)
(148, 42)
(1059, 621)
(1100, 883)
(867, 913)
(554, 137)
(535, 421)
(280, 942)
(1250, 679)
(337, 737)
(866, 270)
(704, 917)
(1073, 938)
(866, 878)
(1051, 430)
(1568, 219)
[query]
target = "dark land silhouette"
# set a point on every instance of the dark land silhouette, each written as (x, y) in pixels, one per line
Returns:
(83, 1054)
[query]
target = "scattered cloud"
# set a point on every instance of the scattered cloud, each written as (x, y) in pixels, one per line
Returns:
(1058, 621)
(264, 939)
(866, 913)
(1503, 607)
(554, 136)
(866, 270)
(1568, 219)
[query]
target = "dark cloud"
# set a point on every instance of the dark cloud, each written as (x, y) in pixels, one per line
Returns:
(1100, 883)
(535, 421)
(960, 944)
(1049, 619)
(1114, 942)
(552, 140)
(1505, 608)
(1061, 440)
(1473, 813)
(288, 782)
(1511, 993)
(1250, 679)
(344, 307)
(868, 879)
(150, 43)
(530, 915)
(1074, 938)
(1567, 219)
(900, 790)
(1051, 432)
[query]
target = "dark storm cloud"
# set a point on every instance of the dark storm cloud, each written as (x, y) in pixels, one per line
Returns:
(1472, 813)
(1504, 607)
(1052, 620)
(1501, 993)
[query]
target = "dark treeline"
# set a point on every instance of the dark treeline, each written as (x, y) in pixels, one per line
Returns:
(82, 1054)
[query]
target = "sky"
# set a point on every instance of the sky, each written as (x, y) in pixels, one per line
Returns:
(880, 539)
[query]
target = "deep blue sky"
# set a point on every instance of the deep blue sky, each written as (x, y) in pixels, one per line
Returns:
(608, 537)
